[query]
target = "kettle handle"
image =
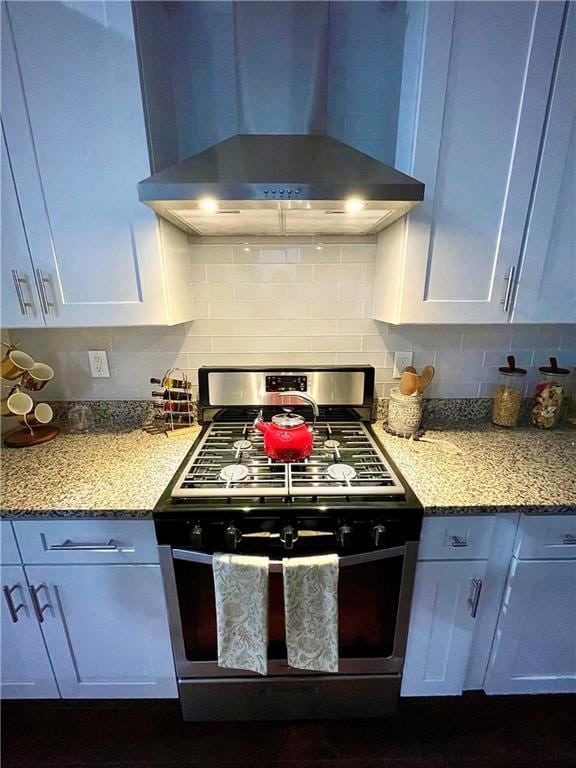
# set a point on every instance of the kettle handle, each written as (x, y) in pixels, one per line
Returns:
(308, 398)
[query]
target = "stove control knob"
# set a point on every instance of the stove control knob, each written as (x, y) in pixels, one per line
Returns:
(196, 536)
(232, 537)
(379, 535)
(288, 536)
(344, 536)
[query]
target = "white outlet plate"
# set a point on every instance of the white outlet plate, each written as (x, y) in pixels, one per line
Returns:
(98, 364)
(401, 360)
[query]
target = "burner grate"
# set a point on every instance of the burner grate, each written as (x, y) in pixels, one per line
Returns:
(210, 472)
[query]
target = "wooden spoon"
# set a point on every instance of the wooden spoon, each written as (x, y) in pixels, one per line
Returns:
(426, 378)
(408, 382)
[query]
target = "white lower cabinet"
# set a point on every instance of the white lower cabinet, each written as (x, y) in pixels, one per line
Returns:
(535, 643)
(26, 670)
(106, 629)
(444, 607)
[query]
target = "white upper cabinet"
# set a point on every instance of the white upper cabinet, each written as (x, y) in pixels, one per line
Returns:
(481, 92)
(75, 130)
(20, 298)
(547, 279)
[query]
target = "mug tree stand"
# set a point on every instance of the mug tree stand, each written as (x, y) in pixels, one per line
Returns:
(23, 438)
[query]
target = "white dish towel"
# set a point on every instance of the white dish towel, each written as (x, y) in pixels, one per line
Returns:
(311, 612)
(241, 587)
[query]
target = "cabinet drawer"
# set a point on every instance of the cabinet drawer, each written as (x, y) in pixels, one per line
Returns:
(546, 537)
(86, 541)
(9, 554)
(456, 538)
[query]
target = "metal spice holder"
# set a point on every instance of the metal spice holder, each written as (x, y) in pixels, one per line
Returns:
(174, 403)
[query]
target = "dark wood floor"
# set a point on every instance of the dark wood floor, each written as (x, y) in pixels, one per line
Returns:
(473, 731)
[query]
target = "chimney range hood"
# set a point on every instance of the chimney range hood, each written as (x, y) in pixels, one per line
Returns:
(256, 184)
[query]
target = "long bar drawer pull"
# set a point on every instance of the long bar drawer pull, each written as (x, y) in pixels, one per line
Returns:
(69, 546)
(569, 539)
(38, 609)
(475, 598)
(459, 541)
(12, 609)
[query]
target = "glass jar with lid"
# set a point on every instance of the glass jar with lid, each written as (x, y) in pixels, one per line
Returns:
(509, 394)
(550, 396)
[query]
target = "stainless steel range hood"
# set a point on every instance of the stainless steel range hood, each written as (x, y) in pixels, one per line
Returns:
(255, 184)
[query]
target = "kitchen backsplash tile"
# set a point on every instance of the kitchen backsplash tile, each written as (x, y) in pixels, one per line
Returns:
(289, 302)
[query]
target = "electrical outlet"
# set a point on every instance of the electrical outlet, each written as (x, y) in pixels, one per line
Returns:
(98, 364)
(401, 360)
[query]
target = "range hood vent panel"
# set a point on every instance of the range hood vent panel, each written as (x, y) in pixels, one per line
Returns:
(280, 185)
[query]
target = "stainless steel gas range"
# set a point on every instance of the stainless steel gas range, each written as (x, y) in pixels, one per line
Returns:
(345, 497)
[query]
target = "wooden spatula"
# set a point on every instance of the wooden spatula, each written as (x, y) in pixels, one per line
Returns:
(426, 378)
(408, 382)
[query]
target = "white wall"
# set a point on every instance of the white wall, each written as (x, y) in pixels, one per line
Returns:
(284, 303)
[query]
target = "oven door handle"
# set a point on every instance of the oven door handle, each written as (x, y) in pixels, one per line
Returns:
(275, 566)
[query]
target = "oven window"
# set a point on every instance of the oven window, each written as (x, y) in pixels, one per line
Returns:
(368, 597)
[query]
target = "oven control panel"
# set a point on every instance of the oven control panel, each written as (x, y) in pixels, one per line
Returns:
(286, 383)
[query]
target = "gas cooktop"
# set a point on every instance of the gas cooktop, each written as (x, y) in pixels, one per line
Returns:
(230, 462)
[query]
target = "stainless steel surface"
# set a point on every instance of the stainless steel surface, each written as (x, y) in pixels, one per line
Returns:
(458, 541)
(275, 566)
(509, 280)
(280, 185)
(12, 609)
(475, 598)
(38, 609)
(248, 388)
(43, 281)
(201, 477)
(391, 665)
(67, 545)
(307, 398)
(290, 697)
(19, 293)
(569, 539)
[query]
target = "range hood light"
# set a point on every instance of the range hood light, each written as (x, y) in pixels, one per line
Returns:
(208, 204)
(354, 204)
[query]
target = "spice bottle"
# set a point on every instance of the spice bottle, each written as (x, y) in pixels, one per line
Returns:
(550, 396)
(509, 394)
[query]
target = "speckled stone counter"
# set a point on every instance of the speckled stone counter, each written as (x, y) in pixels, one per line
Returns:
(121, 473)
(486, 469)
(109, 473)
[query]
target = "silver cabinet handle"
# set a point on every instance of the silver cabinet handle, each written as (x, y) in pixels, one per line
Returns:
(12, 609)
(38, 609)
(66, 546)
(44, 280)
(20, 293)
(458, 541)
(475, 598)
(509, 280)
(569, 539)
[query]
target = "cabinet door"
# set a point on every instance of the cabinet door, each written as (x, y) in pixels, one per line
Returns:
(26, 670)
(445, 603)
(484, 84)
(20, 300)
(106, 630)
(73, 115)
(547, 284)
(535, 643)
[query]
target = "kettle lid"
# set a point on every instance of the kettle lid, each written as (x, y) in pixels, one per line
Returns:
(288, 420)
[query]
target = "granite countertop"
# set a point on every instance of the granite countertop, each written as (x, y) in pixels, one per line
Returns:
(108, 473)
(121, 473)
(487, 469)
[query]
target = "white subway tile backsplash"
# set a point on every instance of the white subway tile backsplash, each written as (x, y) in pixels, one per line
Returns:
(290, 302)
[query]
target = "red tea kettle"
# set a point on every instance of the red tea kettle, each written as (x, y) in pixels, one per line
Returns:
(286, 437)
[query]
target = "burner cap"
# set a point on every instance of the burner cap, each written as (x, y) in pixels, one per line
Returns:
(331, 444)
(242, 445)
(234, 473)
(341, 472)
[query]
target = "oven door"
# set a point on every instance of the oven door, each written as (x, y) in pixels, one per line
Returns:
(374, 596)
